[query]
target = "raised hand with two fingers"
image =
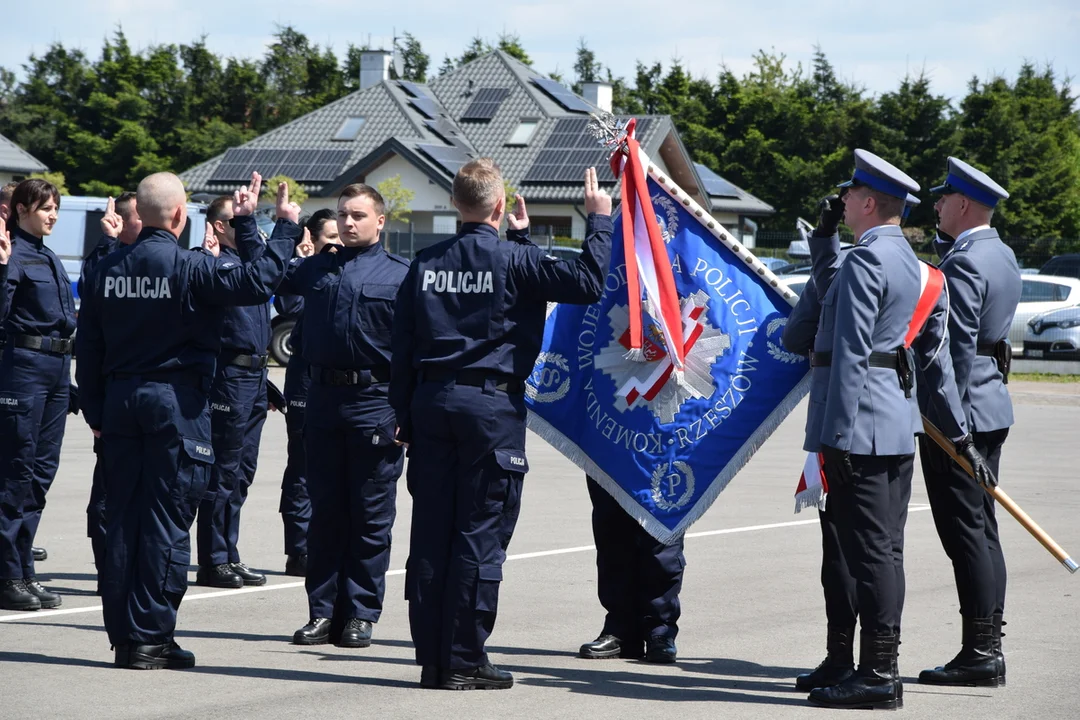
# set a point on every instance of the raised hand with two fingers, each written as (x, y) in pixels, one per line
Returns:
(596, 200)
(519, 219)
(305, 248)
(246, 199)
(210, 242)
(286, 210)
(111, 222)
(5, 243)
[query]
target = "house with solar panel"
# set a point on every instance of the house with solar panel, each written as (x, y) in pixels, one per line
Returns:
(494, 106)
(16, 164)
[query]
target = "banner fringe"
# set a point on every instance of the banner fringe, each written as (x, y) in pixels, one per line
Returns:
(811, 497)
(635, 355)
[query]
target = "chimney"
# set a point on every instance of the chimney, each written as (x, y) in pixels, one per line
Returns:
(374, 67)
(598, 93)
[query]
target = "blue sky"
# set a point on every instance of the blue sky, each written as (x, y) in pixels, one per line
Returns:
(873, 44)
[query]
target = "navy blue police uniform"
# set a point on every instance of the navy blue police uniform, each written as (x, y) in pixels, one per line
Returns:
(353, 463)
(37, 314)
(470, 320)
(147, 351)
(295, 505)
(95, 509)
(984, 286)
(238, 408)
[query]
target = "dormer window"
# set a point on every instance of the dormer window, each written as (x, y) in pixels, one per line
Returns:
(350, 129)
(523, 133)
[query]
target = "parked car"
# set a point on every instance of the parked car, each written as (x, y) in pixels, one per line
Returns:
(795, 283)
(1040, 294)
(779, 266)
(1055, 335)
(1062, 265)
(281, 327)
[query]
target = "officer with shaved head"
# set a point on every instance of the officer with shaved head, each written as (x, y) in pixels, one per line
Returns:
(148, 340)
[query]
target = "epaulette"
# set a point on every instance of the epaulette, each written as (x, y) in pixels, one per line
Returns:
(398, 258)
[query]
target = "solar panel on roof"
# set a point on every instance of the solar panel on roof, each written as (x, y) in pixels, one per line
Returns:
(714, 185)
(562, 95)
(426, 106)
(232, 166)
(326, 165)
(569, 150)
(485, 104)
(449, 159)
(303, 164)
(412, 88)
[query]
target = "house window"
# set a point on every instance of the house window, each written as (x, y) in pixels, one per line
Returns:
(523, 133)
(444, 224)
(350, 128)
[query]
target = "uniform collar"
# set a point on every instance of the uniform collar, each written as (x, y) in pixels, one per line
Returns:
(964, 234)
(878, 230)
(153, 233)
(473, 228)
(31, 239)
(348, 253)
(226, 250)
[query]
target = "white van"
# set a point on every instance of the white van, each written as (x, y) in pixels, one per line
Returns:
(78, 230)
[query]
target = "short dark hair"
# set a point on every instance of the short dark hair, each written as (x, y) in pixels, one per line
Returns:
(318, 220)
(32, 194)
(362, 190)
(6, 192)
(216, 211)
(123, 203)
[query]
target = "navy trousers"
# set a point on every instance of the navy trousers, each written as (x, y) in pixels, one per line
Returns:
(836, 581)
(295, 505)
(238, 412)
(466, 467)
(34, 401)
(353, 466)
(158, 456)
(638, 578)
(95, 512)
(967, 525)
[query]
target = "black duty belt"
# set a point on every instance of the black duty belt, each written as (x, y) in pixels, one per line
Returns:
(254, 362)
(361, 376)
(59, 346)
(877, 359)
(987, 350)
(476, 378)
(1001, 351)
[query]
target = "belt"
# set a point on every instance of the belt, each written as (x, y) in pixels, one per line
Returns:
(877, 359)
(476, 378)
(987, 350)
(362, 377)
(59, 346)
(255, 362)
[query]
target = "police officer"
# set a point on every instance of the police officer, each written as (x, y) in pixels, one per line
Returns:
(238, 408)
(470, 319)
(147, 349)
(353, 463)
(637, 580)
(984, 286)
(862, 416)
(120, 227)
(295, 506)
(37, 313)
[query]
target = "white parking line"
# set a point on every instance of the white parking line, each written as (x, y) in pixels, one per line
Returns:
(46, 614)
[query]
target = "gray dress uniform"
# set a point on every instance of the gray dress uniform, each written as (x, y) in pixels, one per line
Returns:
(984, 286)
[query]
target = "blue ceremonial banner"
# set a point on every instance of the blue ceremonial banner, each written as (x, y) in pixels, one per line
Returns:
(666, 444)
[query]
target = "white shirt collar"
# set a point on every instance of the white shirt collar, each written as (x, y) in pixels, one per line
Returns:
(876, 227)
(964, 234)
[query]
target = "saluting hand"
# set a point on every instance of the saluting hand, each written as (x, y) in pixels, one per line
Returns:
(210, 241)
(5, 243)
(519, 219)
(285, 209)
(111, 223)
(305, 248)
(596, 200)
(246, 199)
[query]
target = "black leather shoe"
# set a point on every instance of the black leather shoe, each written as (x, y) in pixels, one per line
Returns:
(219, 576)
(603, 647)
(47, 598)
(998, 623)
(431, 676)
(355, 634)
(316, 632)
(15, 596)
(838, 665)
(875, 685)
(155, 657)
(249, 576)
(40, 554)
(296, 565)
(660, 649)
(485, 677)
(976, 665)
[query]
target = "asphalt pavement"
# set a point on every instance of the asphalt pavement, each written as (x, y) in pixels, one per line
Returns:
(752, 607)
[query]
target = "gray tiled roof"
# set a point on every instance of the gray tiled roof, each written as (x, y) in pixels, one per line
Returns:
(16, 160)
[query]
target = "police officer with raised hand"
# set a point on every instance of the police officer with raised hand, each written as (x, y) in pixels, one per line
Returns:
(468, 327)
(863, 416)
(984, 287)
(353, 463)
(238, 408)
(147, 348)
(37, 316)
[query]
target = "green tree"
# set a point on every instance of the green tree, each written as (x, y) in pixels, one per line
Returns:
(96, 188)
(397, 198)
(56, 178)
(510, 43)
(477, 47)
(414, 60)
(297, 193)
(447, 66)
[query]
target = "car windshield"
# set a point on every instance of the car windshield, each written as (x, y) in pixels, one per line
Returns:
(1042, 291)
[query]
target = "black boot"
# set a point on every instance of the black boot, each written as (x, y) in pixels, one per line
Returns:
(838, 665)
(47, 598)
(249, 576)
(660, 649)
(431, 676)
(998, 654)
(219, 576)
(316, 632)
(485, 677)
(603, 647)
(976, 663)
(40, 554)
(155, 657)
(355, 634)
(15, 596)
(296, 565)
(874, 686)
